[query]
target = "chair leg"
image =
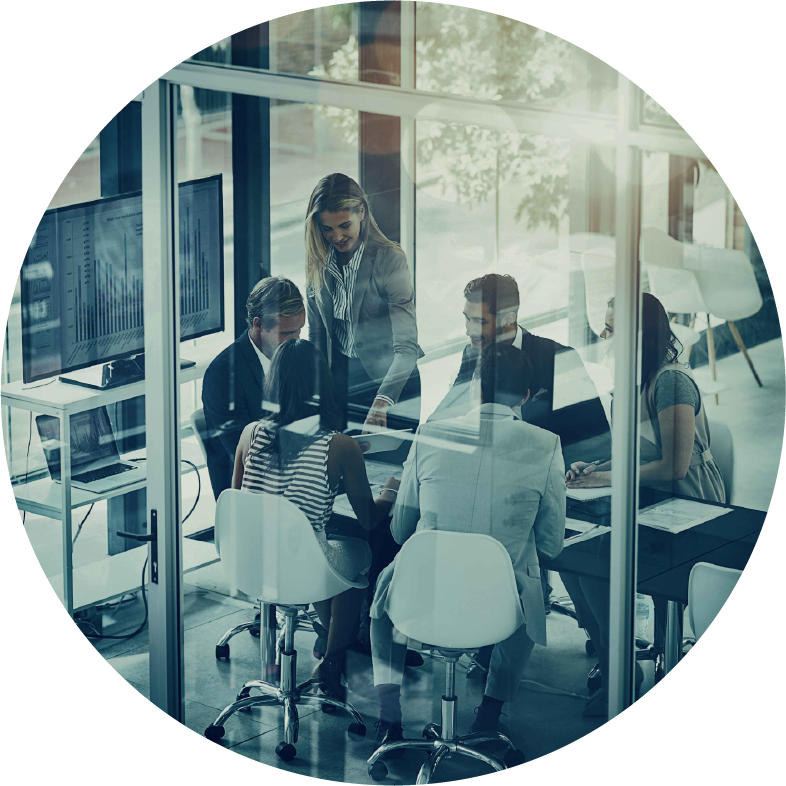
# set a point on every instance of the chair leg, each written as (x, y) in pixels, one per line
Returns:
(478, 737)
(430, 764)
(692, 326)
(473, 754)
(741, 344)
(711, 352)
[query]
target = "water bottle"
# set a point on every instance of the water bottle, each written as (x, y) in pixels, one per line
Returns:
(642, 616)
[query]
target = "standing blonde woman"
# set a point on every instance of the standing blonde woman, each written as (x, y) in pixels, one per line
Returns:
(361, 306)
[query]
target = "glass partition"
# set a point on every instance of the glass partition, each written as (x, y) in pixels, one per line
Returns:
(546, 313)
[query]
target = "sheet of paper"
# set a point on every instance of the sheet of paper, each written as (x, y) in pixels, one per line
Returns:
(577, 525)
(591, 533)
(584, 495)
(676, 515)
(384, 441)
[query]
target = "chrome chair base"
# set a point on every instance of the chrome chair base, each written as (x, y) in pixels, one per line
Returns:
(442, 742)
(286, 694)
(305, 621)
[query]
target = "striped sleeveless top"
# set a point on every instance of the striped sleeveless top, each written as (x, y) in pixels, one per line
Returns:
(304, 481)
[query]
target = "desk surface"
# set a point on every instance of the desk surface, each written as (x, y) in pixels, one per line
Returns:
(58, 397)
(665, 559)
(43, 497)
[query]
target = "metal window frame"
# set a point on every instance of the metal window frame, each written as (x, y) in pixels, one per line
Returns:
(162, 400)
(624, 133)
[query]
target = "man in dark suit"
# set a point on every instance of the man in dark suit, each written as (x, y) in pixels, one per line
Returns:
(563, 398)
(232, 387)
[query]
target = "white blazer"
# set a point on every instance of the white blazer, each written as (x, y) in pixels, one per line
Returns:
(491, 473)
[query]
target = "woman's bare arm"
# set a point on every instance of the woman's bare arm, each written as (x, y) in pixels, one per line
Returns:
(345, 459)
(240, 456)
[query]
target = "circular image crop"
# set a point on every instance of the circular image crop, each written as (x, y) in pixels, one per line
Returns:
(393, 392)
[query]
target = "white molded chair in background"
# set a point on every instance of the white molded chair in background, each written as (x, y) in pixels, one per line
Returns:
(269, 551)
(690, 278)
(598, 267)
(455, 592)
(709, 587)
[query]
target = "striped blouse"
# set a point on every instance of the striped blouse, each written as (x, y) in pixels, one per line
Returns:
(303, 481)
(341, 285)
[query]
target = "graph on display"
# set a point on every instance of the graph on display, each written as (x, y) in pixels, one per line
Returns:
(82, 280)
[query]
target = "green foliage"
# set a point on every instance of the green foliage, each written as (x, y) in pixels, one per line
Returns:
(466, 52)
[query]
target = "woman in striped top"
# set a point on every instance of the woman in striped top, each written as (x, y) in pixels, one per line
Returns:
(298, 453)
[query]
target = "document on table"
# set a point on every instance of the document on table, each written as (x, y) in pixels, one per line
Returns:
(676, 515)
(585, 495)
(588, 531)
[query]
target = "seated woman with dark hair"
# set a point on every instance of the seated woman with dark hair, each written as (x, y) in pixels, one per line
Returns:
(675, 457)
(298, 453)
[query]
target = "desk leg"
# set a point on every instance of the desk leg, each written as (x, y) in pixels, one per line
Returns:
(673, 648)
(267, 639)
(65, 512)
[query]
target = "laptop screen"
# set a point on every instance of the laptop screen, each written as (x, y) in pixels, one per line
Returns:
(92, 440)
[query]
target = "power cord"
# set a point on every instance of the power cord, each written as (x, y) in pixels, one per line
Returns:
(96, 634)
(27, 460)
(81, 524)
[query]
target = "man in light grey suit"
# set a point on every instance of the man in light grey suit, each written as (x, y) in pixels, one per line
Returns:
(485, 472)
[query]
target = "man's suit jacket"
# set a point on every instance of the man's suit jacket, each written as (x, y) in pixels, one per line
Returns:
(231, 398)
(563, 398)
(488, 473)
(383, 319)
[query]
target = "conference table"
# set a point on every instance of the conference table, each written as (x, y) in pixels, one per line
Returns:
(665, 559)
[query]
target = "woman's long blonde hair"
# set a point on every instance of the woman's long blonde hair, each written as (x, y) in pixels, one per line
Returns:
(335, 193)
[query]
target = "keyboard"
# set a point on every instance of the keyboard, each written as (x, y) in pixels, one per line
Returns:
(101, 473)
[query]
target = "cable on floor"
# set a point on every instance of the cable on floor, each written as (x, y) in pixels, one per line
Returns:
(96, 634)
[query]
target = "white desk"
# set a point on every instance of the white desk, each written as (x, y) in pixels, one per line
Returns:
(61, 400)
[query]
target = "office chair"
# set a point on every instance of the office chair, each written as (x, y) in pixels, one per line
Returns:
(269, 551)
(306, 620)
(709, 587)
(432, 598)
(690, 278)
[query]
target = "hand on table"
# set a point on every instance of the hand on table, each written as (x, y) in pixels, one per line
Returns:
(590, 480)
(579, 468)
(377, 416)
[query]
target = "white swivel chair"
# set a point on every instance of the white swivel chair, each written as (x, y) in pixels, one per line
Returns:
(305, 620)
(709, 587)
(690, 278)
(722, 447)
(269, 551)
(455, 592)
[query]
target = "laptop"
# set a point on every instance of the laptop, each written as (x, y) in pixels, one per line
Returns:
(95, 460)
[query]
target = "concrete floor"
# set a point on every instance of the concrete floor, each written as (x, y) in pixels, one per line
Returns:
(546, 714)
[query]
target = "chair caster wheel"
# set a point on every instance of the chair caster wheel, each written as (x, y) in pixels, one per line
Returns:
(589, 648)
(285, 751)
(329, 709)
(356, 731)
(594, 683)
(474, 672)
(214, 733)
(514, 758)
(222, 651)
(254, 631)
(432, 731)
(378, 771)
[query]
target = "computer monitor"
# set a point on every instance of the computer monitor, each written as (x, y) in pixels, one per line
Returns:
(82, 288)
